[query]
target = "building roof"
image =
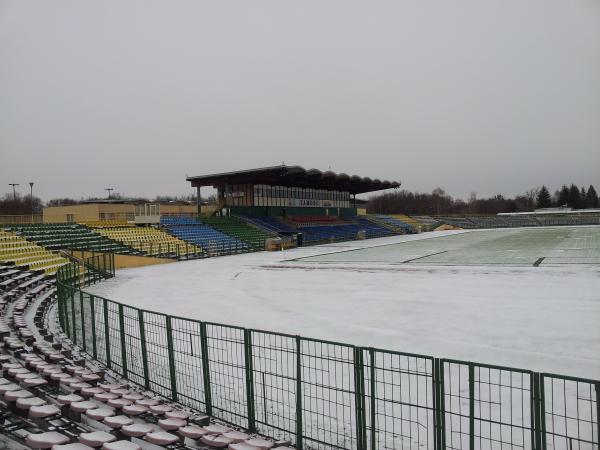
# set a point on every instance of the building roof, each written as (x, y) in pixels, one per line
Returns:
(295, 176)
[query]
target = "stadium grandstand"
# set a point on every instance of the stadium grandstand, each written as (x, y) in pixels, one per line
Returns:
(80, 371)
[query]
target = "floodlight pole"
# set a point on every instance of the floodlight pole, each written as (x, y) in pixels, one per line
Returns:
(14, 191)
(31, 199)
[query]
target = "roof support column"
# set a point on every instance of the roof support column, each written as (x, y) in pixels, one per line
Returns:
(198, 200)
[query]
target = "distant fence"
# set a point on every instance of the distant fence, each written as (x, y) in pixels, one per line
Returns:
(322, 394)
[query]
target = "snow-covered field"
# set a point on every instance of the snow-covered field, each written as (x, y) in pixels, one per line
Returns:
(542, 318)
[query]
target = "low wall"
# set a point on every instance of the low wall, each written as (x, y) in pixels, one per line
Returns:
(125, 261)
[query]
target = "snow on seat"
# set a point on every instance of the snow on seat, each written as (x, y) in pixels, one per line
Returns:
(105, 396)
(45, 440)
(215, 441)
(88, 390)
(17, 370)
(147, 402)
(259, 444)
(236, 436)
(68, 399)
(216, 429)
(120, 391)
(177, 414)
(57, 376)
(121, 445)
(171, 424)
(160, 409)
(74, 446)
(83, 406)
(10, 365)
(90, 377)
(118, 403)
(33, 382)
(133, 396)
(135, 410)
(136, 429)
(25, 376)
(192, 431)
(161, 438)
(4, 381)
(41, 412)
(109, 386)
(13, 396)
(96, 438)
(100, 413)
(27, 403)
(68, 381)
(117, 421)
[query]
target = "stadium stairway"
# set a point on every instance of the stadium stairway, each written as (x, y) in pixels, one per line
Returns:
(17, 251)
(53, 397)
(69, 236)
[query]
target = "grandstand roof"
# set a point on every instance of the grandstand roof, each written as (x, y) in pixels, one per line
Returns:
(295, 176)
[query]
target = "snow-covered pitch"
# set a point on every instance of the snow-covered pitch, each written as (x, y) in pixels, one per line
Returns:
(527, 298)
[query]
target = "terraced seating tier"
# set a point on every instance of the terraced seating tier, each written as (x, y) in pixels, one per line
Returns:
(151, 241)
(344, 232)
(20, 252)
(51, 397)
(238, 229)
(212, 242)
(272, 224)
(69, 236)
(106, 223)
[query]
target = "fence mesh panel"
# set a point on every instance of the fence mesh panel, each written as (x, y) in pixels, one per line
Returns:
(327, 373)
(227, 365)
(399, 401)
(571, 412)
(326, 395)
(274, 366)
(187, 348)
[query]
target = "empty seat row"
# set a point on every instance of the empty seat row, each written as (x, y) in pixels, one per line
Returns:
(52, 399)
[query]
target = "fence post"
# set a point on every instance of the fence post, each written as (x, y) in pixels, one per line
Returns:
(123, 342)
(106, 332)
(373, 397)
(359, 399)
(144, 349)
(298, 394)
(542, 416)
(171, 353)
(82, 313)
(597, 386)
(249, 380)
(442, 403)
(74, 337)
(205, 369)
(93, 314)
(471, 406)
(536, 437)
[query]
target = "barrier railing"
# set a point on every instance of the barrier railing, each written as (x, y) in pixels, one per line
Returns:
(327, 395)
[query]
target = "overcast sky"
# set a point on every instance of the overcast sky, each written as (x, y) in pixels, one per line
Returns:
(470, 95)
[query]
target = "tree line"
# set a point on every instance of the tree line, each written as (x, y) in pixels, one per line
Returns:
(15, 204)
(438, 202)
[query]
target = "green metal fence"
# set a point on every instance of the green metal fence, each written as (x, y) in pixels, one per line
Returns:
(327, 395)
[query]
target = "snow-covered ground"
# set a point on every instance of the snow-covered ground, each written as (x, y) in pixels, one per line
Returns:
(541, 318)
